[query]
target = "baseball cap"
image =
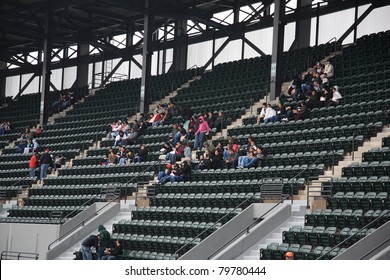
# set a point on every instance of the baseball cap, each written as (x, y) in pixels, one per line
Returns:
(289, 254)
(169, 166)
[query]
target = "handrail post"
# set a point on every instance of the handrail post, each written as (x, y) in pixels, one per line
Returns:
(333, 152)
(353, 146)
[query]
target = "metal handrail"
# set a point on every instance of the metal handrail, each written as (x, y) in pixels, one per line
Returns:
(5, 254)
(246, 229)
(335, 43)
(351, 236)
(95, 213)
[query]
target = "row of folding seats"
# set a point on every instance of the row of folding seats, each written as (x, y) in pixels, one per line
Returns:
(377, 154)
(7, 165)
(355, 184)
(45, 211)
(62, 200)
(25, 157)
(365, 86)
(10, 191)
(21, 181)
(374, 168)
(221, 200)
(198, 214)
(99, 179)
(165, 227)
(111, 169)
(346, 218)
(350, 106)
(359, 200)
(321, 236)
(34, 220)
(229, 185)
(94, 189)
(73, 137)
(55, 131)
(157, 243)
(355, 79)
(288, 171)
(322, 157)
(314, 123)
(146, 255)
(366, 131)
(276, 251)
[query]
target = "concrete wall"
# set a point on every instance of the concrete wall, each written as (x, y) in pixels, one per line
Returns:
(28, 238)
(79, 234)
(35, 238)
(230, 230)
(374, 246)
(270, 222)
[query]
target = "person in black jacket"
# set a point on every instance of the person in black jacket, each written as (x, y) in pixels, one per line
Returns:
(112, 254)
(88, 243)
(45, 161)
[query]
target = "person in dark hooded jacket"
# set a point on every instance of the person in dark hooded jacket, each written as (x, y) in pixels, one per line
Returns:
(104, 241)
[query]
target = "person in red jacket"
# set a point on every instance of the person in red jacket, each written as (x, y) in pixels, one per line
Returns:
(33, 164)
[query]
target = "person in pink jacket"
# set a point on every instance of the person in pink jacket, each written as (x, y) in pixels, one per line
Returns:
(200, 134)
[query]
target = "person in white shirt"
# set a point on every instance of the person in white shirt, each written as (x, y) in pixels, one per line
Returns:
(335, 97)
(260, 118)
(329, 69)
(270, 114)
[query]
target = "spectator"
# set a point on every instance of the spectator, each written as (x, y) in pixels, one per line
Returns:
(261, 116)
(122, 155)
(204, 161)
(164, 175)
(231, 161)
(270, 114)
(45, 161)
(289, 256)
(113, 254)
(178, 151)
(200, 134)
(111, 157)
(87, 244)
(300, 112)
(141, 154)
(33, 164)
(120, 139)
(29, 147)
(219, 122)
(20, 147)
(104, 241)
(216, 159)
(335, 97)
(59, 161)
(188, 152)
(329, 69)
(248, 161)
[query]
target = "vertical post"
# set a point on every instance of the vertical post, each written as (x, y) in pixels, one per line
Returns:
(317, 23)
(180, 49)
(82, 65)
(277, 49)
(146, 60)
(102, 72)
(3, 79)
(164, 54)
(353, 147)
(213, 50)
(64, 58)
(303, 26)
(94, 71)
(46, 73)
(333, 153)
(129, 43)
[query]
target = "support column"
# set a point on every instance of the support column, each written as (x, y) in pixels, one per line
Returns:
(237, 6)
(277, 49)
(3, 79)
(129, 43)
(146, 60)
(47, 48)
(164, 52)
(82, 65)
(181, 47)
(302, 26)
